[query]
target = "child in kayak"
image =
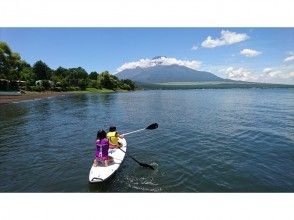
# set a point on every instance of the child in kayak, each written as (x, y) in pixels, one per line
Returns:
(102, 146)
(113, 136)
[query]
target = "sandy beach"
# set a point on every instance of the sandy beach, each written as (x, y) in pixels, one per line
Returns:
(6, 99)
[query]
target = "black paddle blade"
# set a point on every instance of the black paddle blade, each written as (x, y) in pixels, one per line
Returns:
(147, 166)
(152, 126)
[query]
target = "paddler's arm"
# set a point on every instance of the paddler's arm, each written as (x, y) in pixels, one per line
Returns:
(119, 135)
(111, 146)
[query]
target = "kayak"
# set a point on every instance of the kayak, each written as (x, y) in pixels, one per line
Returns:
(100, 173)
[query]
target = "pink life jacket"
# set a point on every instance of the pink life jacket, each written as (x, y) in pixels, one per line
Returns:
(102, 147)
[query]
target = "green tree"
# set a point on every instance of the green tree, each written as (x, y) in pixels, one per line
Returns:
(107, 81)
(24, 64)
(27, 74)
(59, 75)
(5, 53)
(125, 87)
(130, 83)
(42, 71)
(78, 77)
(93, 75)
(13, 68)
(10, 63)
(46, 84)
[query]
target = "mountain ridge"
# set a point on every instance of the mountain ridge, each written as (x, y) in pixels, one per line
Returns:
(167, 73)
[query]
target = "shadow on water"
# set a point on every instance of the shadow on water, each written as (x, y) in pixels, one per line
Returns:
(103, 98)
(10, 112)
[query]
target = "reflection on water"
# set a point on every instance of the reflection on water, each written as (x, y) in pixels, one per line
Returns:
(231, 140)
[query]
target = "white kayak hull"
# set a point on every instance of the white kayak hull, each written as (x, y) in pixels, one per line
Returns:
(99, 174)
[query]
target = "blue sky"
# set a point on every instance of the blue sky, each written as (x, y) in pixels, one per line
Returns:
(252, 54)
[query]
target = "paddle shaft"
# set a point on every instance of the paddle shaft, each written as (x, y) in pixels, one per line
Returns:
(129, 155)
(150, 127)
(141, 164)
(134, 131)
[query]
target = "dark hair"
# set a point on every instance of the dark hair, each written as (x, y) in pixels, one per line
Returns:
(112, 129)
(101, 134)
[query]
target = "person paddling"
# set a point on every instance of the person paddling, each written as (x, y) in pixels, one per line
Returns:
(113, 136)
(102, 147)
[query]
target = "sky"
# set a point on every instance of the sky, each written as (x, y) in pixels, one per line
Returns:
(249, 54)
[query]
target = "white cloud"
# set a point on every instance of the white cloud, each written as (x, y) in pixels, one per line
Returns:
(291, 75)
(276, 73)
(194, 47)
(240, 74)
(289, 58)
(145, 63)
(250, 53)
(267, 70)
(227, 38)
(268, 75)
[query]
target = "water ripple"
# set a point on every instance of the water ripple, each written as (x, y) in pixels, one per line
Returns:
(207, 141)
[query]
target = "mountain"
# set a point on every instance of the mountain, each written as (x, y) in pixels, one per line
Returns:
(167, 73)
(163, 73)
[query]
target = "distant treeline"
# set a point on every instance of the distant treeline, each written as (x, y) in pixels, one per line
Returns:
(16, 73)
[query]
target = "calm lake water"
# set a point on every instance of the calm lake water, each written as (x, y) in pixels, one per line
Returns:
(234, 140)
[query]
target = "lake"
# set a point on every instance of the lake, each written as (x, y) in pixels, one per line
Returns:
(226, 140)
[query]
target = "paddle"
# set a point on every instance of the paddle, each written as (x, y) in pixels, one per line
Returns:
(141, 164)
(150, 127)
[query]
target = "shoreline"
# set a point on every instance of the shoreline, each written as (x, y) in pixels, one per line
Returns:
(28, 96)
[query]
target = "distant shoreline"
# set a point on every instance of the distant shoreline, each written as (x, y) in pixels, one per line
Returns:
(28, 96)
(7, 99)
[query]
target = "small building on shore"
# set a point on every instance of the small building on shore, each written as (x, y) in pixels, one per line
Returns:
(11, 85)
